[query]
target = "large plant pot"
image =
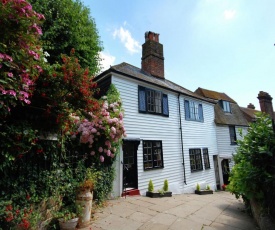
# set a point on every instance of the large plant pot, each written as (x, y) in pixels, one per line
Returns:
(68, 225)
(157, 194)
(203, 192)
(84, 201)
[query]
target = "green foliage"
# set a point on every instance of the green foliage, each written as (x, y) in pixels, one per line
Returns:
(165, 186)
(69, 25)
(253, 173)
(207, 187)
(198, 187)
(150, 186)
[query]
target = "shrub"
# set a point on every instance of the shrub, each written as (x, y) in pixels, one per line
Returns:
(150, 186)
(252, 177)
(198, 187)
(165, 186)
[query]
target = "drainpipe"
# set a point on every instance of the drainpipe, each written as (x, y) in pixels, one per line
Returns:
(184, 176)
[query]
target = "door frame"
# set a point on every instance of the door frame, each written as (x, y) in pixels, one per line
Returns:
(133, 143)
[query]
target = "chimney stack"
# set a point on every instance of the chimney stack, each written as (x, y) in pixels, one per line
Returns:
(152, 60)
(266, 103)
(251, 106)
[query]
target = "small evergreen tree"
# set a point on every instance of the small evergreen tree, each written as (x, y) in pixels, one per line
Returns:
(150, 186)
(165, 186)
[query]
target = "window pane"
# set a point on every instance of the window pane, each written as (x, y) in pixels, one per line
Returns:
(152, 154)
(195, 159)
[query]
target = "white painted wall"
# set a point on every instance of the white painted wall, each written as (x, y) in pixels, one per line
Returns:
(223, 139)
(153, 127)
(166, 129)
(199, 135)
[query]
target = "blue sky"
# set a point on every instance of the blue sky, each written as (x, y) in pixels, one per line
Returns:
(221, 45)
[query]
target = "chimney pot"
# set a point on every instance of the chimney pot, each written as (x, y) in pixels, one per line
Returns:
(251, 106)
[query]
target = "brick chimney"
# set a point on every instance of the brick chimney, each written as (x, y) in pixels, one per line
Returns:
(251, 106)
(266, 103)
(152, 60)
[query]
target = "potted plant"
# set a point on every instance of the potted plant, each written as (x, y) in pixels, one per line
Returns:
(67, 217)
(205, 191)
(160, 193)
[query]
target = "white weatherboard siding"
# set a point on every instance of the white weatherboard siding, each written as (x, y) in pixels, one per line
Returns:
(223, 139)
(199, 135)
(152, 127)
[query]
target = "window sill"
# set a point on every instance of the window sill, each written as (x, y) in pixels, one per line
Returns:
(188, 119)
(199, 170)
(149, 169)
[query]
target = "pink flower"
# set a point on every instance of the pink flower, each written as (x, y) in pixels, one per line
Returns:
(108, 153)
(10, 74)
(100, 149)
(11, 92)
(101, 158)
(108, 143)
(112, 155)
(113, 130)
(93, 130)
(92, 153)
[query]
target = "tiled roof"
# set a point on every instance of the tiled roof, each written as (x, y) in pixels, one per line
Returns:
(214, 95)
(249, 113)
(138, 74)
(236, 117)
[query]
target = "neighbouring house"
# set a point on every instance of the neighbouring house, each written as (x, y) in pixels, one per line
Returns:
(266, 106)
(229, 119)
(171, 133)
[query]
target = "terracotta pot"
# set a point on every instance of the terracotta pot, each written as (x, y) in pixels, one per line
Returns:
(84, 200)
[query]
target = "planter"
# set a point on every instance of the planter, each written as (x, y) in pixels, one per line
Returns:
(68, 225)
(203, 192)
(84, 200)
(158, 195)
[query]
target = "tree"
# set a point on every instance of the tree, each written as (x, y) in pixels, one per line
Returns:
(69, 25)
(253, 175)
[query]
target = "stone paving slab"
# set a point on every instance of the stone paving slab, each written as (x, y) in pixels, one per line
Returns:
(218, 211)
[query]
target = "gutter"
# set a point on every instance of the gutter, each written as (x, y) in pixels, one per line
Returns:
(181, 139)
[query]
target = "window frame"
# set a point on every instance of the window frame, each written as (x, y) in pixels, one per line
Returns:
(149, 98)
(153, 158)
(226, 106)
(232, 135)
(197, 166)
(196, 109)
(206, 160)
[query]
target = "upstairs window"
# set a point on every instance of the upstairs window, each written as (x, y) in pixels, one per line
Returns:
(152, 155)
(232, 133)
(193, 111)
(195, 160)
(152, 101)
(225, 106)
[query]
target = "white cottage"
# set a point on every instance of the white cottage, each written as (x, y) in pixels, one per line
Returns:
(229, 120)
(171, 133)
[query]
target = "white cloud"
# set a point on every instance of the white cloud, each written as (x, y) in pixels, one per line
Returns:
(106, 60)
(126, 38)
(229, 14)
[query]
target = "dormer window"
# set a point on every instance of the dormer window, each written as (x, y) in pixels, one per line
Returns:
(226, 106)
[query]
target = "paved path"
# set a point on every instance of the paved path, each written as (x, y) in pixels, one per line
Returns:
(187, 211)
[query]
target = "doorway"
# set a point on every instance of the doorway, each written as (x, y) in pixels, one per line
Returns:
(130, 172)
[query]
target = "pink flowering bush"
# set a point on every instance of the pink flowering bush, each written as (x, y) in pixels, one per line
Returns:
(20, 53)
(102, 133)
